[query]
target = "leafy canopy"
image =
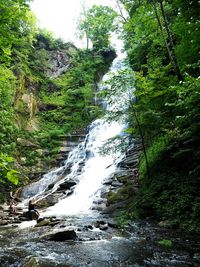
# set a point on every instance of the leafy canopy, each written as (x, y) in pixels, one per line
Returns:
(98, 24)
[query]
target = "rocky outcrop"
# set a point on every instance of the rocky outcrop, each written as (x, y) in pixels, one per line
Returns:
(59, 62)
(61, 236)
(119, 189)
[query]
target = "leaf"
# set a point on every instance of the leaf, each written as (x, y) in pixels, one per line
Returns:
(13, 177)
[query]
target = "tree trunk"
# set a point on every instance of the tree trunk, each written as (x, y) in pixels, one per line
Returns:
(170, 52)
(120, 11)
(177, 69)
(143, 143)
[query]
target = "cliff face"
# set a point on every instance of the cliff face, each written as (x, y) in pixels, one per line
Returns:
(59, 61)
(27, 101)
(54, 98)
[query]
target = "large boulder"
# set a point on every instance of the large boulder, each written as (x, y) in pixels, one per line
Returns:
(61, 236)
(66, 185)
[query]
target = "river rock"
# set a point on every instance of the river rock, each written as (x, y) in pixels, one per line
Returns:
(165, 224)
(30, 262)
(43, 222)
(103, 227)
(62, 236)
(50, 186)
(4, 222)
(66, 185)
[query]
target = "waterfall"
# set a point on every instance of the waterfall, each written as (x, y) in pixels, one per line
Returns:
(96, 168)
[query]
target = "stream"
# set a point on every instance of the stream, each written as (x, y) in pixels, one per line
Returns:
(93, 238)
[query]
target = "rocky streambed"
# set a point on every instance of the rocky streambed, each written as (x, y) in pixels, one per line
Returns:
(94, 239)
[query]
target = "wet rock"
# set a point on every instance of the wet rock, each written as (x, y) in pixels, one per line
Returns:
(31, 215)
(113, 225)
(99, 207)
(116, 184)
(23, 218)
(62, 236)
(100, 201)
(114, 208)
(31, 262)
(99, 224)
(66, 185)
(48, 201)
(103, 227)
(43, 222)
(68, 192)
(109, 182)
(87, 227)
(166, 224)
(16, 221)
(50, 186)
(4, 222)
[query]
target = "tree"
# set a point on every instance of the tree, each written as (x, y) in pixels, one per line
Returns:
(121, 96)
(98, 24)
(17, 25)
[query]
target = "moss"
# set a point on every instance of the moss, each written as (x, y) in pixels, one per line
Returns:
(165, 243)
(122, 194)
(172, 192)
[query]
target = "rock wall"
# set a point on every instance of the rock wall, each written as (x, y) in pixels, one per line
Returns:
(59, 62)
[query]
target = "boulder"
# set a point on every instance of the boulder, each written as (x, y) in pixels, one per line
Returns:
(50, 186)
(66, 185)
(43, 222)
(103, 227)
(62, 236)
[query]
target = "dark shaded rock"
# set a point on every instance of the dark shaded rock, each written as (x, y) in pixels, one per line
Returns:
(98, 224)
(68, 192)
(31, 215)
(103, 227)
(87, 227)
(50, 186)
(66, 185)
(23, 218)
(113, 225)
(62, 236)
(4, 222)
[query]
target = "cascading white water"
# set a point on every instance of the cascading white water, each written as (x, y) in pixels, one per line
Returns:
(96, 168)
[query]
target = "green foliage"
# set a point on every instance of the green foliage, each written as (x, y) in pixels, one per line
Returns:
(123, 219)
(97, 24)
(7, 174)
(162, 38)
(74, 92)
(154, 153)
(46, 40)
(17, 26)
(7, 123)
(7, 86)
(187, 109)
(165, 243)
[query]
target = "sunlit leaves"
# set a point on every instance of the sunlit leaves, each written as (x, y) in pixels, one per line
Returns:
(98, 24)
(7, 173)
(17, 26)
